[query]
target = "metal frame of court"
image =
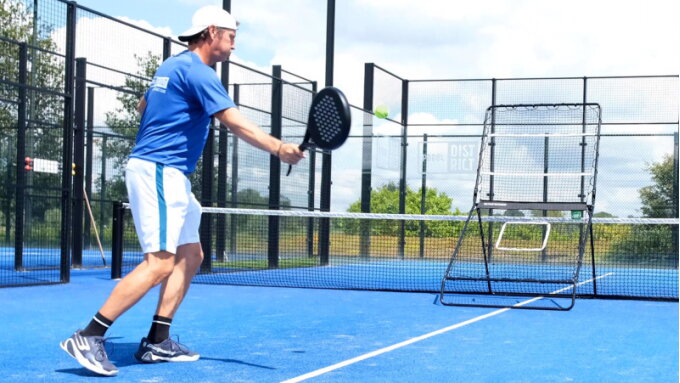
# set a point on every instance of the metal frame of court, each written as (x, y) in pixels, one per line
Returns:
(77, 134)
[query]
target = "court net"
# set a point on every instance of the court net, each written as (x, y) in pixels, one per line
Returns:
(392, 252)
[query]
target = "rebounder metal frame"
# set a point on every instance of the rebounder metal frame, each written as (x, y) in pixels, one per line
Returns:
(584, 202)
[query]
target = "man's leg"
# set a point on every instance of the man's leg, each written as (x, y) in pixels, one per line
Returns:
(155, 269)
(88, 349)
(158, 346)
(175, 287)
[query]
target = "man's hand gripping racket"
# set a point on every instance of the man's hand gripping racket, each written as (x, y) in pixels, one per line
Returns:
(329, 121)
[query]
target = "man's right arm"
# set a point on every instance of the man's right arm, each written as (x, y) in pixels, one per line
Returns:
(252, 134)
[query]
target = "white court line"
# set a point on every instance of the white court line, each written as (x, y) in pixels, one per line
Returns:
(359, 358)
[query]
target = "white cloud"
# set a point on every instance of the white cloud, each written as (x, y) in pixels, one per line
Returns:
(484, 39)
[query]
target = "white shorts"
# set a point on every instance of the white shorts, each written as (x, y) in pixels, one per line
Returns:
(165, 211)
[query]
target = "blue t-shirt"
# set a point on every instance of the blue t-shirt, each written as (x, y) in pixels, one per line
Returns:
(182, 97)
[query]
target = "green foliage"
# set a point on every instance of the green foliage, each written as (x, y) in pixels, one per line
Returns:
(385, 200)
(652, 244)
(658, 200)
(645, 245)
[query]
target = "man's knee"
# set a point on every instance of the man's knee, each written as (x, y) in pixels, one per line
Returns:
(160, 265)
(192, 252)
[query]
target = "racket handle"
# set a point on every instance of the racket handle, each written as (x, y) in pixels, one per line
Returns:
(303, 146)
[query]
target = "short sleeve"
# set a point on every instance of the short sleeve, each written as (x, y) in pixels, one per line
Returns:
(209, 91)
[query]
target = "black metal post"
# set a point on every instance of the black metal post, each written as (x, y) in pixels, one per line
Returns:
(492, 157)
(206, 228)
(8, 199)
(89, 153)
(367, 161)
(117, 232)
(275, 169)
(222, 162)
(67, 142)
(20, 191)
(583, 232)
(78, 164)
(103, 188)
(326, 166)
(582, 195)
(233, 226)
(546, 161)
(167, 48)
(311, 187)
(675, 192)
(402, 177)
(330, 41)
(423, 196)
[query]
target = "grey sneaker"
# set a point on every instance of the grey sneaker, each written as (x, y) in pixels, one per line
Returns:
(90, 353)
(165, 351)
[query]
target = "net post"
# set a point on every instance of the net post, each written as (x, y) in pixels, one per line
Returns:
(117, 240)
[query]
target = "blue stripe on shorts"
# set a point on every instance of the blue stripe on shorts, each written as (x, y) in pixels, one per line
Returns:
(162, 208)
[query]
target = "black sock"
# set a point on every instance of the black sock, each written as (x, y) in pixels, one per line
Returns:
(98, 326)
(160, 329)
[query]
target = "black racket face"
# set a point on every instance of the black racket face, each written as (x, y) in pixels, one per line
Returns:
(329, 119)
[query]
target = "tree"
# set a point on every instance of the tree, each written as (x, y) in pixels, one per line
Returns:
(385, 199)
(658, 200)
(654, 244)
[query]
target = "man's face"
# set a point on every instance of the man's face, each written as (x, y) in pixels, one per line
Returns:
(223, 43)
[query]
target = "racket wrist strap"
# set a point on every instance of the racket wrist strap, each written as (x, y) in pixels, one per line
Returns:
(278, 150)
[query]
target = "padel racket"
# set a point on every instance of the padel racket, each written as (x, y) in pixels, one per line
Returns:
(328, 123)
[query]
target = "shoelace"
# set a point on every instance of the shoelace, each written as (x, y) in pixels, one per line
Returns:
(100, 343)
(176, 345)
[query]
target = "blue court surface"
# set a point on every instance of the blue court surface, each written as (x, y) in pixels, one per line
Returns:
(268, 334)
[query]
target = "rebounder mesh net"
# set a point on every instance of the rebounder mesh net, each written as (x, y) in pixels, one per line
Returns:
(540, 156)
(545, 153)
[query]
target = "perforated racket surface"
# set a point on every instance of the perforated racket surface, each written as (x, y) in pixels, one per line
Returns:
(329, 121)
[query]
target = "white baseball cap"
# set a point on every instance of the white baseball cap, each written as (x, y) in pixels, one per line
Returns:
(207, 16)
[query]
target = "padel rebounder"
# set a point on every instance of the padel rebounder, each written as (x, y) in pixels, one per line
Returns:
(533, 204)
